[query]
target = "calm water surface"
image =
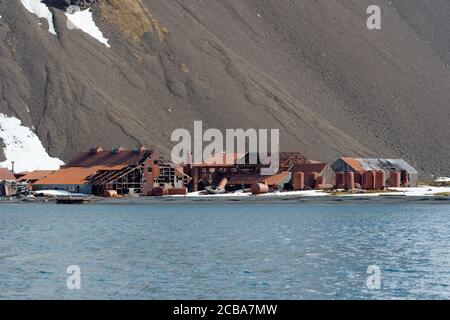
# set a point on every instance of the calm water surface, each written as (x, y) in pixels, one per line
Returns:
(225, 250)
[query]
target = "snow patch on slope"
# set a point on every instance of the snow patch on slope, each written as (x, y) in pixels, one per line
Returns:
(24, 147)
(84, 21)
(41, 10)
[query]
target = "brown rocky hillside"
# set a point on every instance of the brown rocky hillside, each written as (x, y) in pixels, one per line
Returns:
(310, 68)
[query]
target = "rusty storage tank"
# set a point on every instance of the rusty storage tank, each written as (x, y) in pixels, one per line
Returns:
(310, 179)
(359, 178)
(111, 194)
(222, 184)
(365, 178)
(320, 182)
(259, 188)
(340, 180)
(380, 180)
(178, 191)
(404, 178)
(298, 181)
(160, 192)
(349, 180)
(395, 179)
(369, 180)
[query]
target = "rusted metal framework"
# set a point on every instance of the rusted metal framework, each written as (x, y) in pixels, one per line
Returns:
(210, 173)
(125, 181)
(169, 176)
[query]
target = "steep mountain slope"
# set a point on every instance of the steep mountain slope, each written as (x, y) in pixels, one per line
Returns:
(310, 68)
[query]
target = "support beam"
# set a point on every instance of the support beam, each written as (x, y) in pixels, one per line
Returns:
(194, 179)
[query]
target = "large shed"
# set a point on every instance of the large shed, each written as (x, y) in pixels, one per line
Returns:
(123, 170)
(409, 174)
(7, 182)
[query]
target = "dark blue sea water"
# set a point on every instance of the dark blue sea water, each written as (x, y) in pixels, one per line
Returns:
(225, 250)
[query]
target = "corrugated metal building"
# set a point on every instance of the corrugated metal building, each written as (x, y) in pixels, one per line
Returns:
(240, 169)
(125, 171)
(409, 175)
(7, 182)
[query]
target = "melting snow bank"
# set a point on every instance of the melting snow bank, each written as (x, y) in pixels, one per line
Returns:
(443, 179)
(239, 194)
(406, 192)
(41, 10)
(24, 147)
(83, 20)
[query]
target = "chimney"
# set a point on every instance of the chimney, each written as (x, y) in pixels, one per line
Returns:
(12, 166)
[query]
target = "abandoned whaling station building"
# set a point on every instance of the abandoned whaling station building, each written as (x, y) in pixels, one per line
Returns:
(117, 171)
(128, 172)
(374, 174)
(7, 182)
(232, 171)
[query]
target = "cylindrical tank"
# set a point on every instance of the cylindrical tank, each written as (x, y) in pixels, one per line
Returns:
(320, 182)
(222, 184)
(373, 175)
(395, 178)
(298, 181)
(349, 180)
(259, 188)
(359, 178)
(111, 194)
(178, 191)
(195, 178)
(404, 178)
(310, 179)
(340, 184)
(369, 180)
(159, 192)
(380, 180)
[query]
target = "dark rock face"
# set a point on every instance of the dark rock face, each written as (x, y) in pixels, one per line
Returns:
(62, 4)
(310, 68)
(83, 3)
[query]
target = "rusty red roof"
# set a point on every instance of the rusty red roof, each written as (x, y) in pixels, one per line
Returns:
(86, 164)
(35, 175)
(288, 159)
(6, 174)
(309, 167)
(249, 179)
(73, 175)
(354, 163)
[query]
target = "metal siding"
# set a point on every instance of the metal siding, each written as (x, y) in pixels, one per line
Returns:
(387, 165)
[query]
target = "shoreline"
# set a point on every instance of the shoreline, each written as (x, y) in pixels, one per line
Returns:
(393, 195)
